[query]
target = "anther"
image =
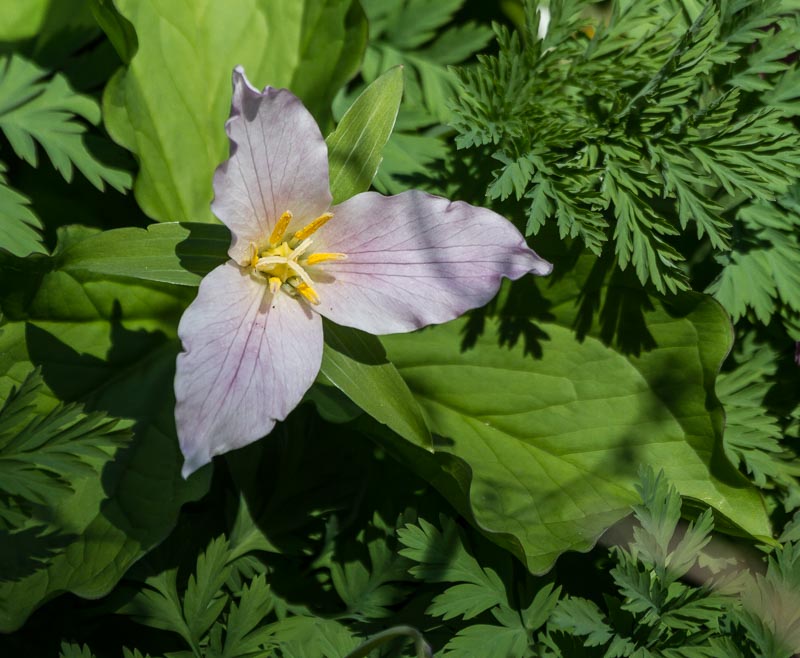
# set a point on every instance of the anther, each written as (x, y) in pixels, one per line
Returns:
(280, 228)
(313, 226)
(308, 293)
(313, 259)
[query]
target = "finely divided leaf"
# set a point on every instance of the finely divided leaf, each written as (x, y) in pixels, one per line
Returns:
(47, 112)
(20, 228)
(41, 454)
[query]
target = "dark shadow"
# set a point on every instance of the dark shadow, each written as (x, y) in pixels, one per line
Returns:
(522, 308)
(26, 551)
(133, 381)
(205, 248)
(622, 316)
(74, 376)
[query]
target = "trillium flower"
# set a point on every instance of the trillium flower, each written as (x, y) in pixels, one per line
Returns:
(252, 338)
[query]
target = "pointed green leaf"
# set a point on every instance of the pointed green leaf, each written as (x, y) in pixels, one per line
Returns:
(355, 147)
(356, 363)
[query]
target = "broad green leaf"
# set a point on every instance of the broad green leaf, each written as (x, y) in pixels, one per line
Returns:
(355, 147)
(544, 437)
(112, 347)
(21, 20)
(172, 252)
(170, 104)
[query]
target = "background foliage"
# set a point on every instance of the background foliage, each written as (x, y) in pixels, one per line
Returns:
(429, 492)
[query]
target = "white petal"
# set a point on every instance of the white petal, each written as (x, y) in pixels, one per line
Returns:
(278, 162)
(248, 359)
(415, 259)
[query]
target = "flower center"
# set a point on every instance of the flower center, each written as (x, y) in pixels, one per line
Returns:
(284, 260)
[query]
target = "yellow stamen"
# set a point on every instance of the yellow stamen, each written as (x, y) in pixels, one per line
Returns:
(313, 227)
(274, 284)
(280, 228)
(313, 259)
(308, 292)
(253, 254)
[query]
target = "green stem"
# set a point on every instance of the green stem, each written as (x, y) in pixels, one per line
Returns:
(423, 649)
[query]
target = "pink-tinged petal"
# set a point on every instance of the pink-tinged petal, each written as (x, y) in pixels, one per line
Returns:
(415, 259)
(278, 162)
(248, 359)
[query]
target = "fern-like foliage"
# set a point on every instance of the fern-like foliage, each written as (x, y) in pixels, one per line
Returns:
(42, 453)
(35, 109)
(226, 609)
(631, 132)
(70, 650)
(760, 276)
(504, 621)
(755, 437)
(770, 610)
(655, 613)
(371, 584)
(20, 228)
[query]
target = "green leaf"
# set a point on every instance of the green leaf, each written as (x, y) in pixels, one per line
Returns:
(311, 637)
(20, 21)
(172, 252)
(658, 516)
(369, 581)
(40, 455)
(483, 640)
(34, 111)
(244, 634)
(355, 147)
(20, 228)
(111, 347)
(184, 62)
(119, 31)
(541, 441)
(581, 617)
(158, 604)
(356, 363)
(752, 432)
(464, 600)
(205, 598)
(75, 651)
